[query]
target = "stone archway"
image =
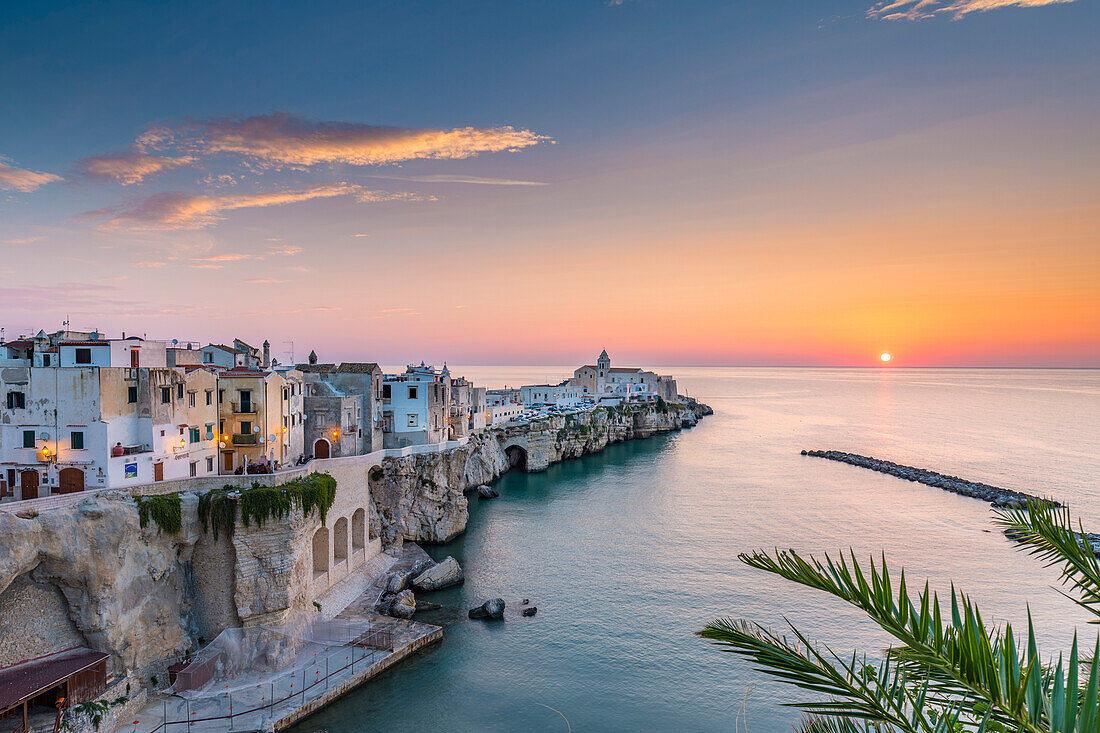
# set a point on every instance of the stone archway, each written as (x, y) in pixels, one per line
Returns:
(340, 539)
(320, 552)
(70, 480)
(358, 530)
(517, 457)
(321, 448)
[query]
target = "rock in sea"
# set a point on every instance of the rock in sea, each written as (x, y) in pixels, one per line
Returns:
(404, 605)
(489, 609)
(442, 575)
(487, 492)
(530, 611)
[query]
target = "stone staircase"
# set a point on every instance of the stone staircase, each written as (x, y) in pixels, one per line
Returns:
(344, 593)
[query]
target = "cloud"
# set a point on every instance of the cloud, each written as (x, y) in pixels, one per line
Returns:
(284, 251)
(150, 264)
(467, 179)
(228, 257)
(17, 179)
(922, 9)
(360, 235)
(24, 240)
(177, 210)
(130, 168)
(285, 140)
(326, 308)
(265, 281)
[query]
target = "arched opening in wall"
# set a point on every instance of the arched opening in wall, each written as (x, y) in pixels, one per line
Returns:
(34, 620)
(320, 448)
(320, 552)
(359, 529)
(70, 480)
(28, 484)
(517, 457)
(340, 539)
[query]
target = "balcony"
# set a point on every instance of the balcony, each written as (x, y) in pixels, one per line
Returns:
(244, 439)
(244, 408)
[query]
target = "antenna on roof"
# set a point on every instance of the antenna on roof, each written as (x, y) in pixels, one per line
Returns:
(291, 351)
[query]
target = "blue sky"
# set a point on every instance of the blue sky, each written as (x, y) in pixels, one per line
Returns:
(684, 151)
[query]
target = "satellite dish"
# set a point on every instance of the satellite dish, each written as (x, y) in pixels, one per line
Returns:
(221, 444)
(271, 437)
(256, 428)
(175, 341)
(43, 436)
(94, 336)
(209, 435)
(263, 439)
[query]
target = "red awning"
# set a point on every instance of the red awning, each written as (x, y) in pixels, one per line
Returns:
(23, 681)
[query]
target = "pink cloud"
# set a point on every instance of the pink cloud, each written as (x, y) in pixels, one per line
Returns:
(922, 9)
(131, 167)
(265, 281)
(178, 210)
(282, 139)
(18, 179)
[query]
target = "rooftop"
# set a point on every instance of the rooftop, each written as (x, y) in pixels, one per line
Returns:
(22, 681)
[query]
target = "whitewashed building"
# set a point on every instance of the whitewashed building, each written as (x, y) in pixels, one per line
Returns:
(415, 407)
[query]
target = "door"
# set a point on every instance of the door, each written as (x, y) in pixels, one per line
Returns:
(71, 480)
(158, 471)
(28, 484)
(320, 449)
(227, 461)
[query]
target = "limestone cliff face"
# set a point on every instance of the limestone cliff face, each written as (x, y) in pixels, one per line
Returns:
(123, 588)
(420, 498)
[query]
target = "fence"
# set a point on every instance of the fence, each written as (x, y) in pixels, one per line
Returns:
(335, 660)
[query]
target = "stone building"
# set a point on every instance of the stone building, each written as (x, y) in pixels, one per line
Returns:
(415, 406)
(104, 413)
(261, 417)
(361, 381)
(601, 380)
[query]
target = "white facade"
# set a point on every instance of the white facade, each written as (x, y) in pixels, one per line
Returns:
(415, 407)
(500, 414)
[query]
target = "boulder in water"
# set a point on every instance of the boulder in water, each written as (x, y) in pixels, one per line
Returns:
(438, 576)
(489, 609)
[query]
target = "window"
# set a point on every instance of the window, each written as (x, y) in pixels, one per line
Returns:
(210, 464)
(412, 420)
(16, 400)
(194, 468)
(45, 360)
(134, 358)
(28, 438)
(83, 356)
(131, 394)
(207, 358)
(209, 430)
(412, 393)
(385, 391)
(190, 399)
(209, 396)
(246, 427)
(165, 395)
(76, 440)
(221, 396)
(179, 391)
(194, 436)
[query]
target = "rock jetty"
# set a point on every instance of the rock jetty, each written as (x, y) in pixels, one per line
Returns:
(995, 495)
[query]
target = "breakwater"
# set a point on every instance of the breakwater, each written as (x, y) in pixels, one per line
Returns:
(995, 495)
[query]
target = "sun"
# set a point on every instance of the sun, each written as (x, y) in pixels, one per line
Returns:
(885, 356)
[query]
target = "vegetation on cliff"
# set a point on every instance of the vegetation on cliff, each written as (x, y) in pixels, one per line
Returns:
(952, 672)
(164, 509)
(218, 509)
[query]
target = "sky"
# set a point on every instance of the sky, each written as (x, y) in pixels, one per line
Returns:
(695, 183)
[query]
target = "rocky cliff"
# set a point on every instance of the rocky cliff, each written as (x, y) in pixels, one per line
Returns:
(420, 498)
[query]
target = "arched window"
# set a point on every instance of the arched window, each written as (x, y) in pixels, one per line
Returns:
(340, 539)
(359, 529)
(320, 551)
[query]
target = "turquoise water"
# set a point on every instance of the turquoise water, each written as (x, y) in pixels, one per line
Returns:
(628, 552)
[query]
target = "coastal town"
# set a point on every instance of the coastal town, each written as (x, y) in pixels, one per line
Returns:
(85, 411)
(189, 532)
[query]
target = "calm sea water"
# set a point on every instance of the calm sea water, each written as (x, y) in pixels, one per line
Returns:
(629, 552)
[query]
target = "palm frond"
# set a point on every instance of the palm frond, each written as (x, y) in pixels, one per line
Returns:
(1046, 531)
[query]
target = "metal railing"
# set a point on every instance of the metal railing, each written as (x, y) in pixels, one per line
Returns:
(246, 708)
(244, 408)
(244, 439)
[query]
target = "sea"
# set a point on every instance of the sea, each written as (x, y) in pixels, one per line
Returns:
(629, 552)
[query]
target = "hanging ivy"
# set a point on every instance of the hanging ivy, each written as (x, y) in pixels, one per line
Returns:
(218, 508)
(164, 509)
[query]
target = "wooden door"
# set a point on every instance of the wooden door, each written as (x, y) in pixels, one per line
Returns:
(158, 471)
(227, 461)
(320, 449)
(71, 480)
(28, 485)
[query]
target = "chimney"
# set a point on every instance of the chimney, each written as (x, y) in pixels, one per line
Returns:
(267, 354)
